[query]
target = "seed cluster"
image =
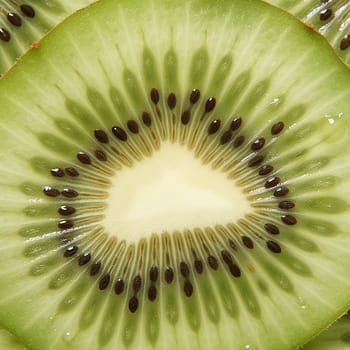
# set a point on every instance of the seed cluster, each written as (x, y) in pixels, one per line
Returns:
(215, 141)
(325, 16)
(14, 13)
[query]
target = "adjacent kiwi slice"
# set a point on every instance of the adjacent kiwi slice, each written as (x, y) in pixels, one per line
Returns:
(330, 17)
(24, 22)
(175, 176)
(337, 337)
(9, 342)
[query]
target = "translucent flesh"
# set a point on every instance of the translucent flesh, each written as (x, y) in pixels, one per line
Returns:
(94, 72)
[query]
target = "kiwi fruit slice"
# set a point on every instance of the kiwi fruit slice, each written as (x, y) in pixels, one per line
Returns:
(24, 22)
(175, 176)
(330, 17)
(337, 337)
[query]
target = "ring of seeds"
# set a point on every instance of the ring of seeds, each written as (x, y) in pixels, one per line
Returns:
(223, 146)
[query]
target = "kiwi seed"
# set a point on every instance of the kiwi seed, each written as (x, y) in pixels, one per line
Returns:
(238, 141)
(14, 19)
(345, 42)
(28, 10)
(4, 35)
(326, 14)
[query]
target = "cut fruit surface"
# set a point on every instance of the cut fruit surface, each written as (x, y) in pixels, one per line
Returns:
(123, 154)
(330, 17)
(22, 25)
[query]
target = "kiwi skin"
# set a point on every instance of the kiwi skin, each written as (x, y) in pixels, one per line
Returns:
(53, 268)
(22, 25)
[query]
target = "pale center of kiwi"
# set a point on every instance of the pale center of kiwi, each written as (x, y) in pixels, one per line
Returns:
(171, 191)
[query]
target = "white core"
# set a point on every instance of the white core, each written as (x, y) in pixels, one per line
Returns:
(171, 191)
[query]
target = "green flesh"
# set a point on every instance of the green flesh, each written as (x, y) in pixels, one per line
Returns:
(47, 14)
(101, 76)
(337, 337)
(9, 342)
(331, 18)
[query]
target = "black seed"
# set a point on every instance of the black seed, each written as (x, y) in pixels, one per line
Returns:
(119, 133)
(235, 270)
(70, 251)
(152, 293)
(281, 191)
(154, 96)
(273, 246)
(153, 273)
(289, 219)
(133, 304)
(265, 169)
(185, 271)
(51, 192)
(66, 210)
(27, 10)
(226, 137)
(136, 284)
(133, 126)
(248, 242)
(101, 136)
(236, 123)
(277, 128)
(198, 265)
(214, 126)
(71, 172)
(345, 43)
(171, 100)
(258, 144)
(100, 155)
(4, 35)
(226, 256)
(185, 117)
(238, 141)
(232, 244)
(286, 205)
(169, 275)
(210, 104)
(195, 95)
(95, 268)
(213, 262)
(188, 288)
(119, 286)
(326, 14)
(257, 160)
(84, 259)
(57, 172)
(65, 224)
(272, 182)
(69, 193)
(273, 229)
(14, 19)
(104, 281)
(146, 118)
(83, 158)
